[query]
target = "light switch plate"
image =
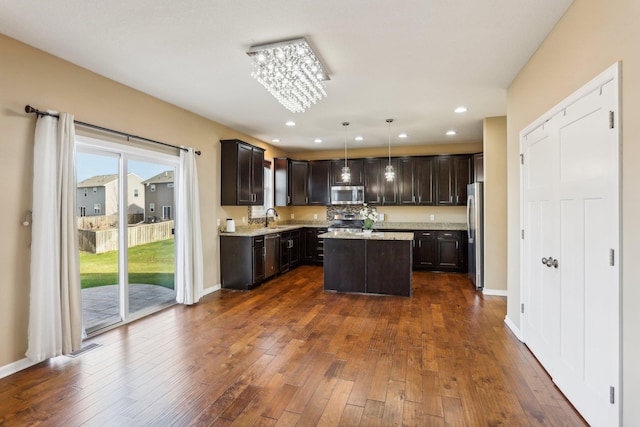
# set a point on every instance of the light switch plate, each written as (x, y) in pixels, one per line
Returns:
(315, 216)
(432, 217)
(293, 216)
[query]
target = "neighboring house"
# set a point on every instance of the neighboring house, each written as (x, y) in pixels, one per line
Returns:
(159, 197)
(98, 195)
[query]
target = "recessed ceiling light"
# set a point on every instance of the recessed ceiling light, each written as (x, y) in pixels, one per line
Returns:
(451, 132)
(290, 123)
(275, 140)
(359, 138)
(460, 110)
(317, 140)
(402, 135)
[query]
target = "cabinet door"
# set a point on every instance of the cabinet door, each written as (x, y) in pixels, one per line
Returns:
(424, 180)
(319, 189)
(425, 249)
(258, 260)
(445, 180)
(463, 177)
(298, 184)
(448, 243)
(405, 177)
(372, 176)
(282, 195)
(389, 193)
(285, 258)
(357, 172)
(257, 177)
(478, 167)
(244, 179)
(294, 249)
(309, 244)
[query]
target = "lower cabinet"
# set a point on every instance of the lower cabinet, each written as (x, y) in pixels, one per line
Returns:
(312, 246)
(289, 250)
(345, 266)
(441, 250)
(242, 261)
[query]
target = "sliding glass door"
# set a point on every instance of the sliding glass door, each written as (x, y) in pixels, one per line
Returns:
(125, 208)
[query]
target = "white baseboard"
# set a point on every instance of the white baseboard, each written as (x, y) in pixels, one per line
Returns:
(495, 292)
(16, 366)
(211, 289)
(513, 328)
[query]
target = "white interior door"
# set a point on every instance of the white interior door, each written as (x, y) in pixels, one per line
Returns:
(570, 215)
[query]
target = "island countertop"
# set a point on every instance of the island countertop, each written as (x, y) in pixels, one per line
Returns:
(360, 235)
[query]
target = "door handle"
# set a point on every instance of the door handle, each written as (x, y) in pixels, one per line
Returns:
(550, 262)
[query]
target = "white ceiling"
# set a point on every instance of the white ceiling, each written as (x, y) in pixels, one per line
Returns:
(411, 60)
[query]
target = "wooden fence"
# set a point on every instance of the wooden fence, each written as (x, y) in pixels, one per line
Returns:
(99, 241)
(106, 221)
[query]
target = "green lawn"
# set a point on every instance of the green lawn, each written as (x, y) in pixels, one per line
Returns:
(151, 264)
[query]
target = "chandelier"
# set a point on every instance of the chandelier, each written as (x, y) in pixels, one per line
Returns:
(346, 172)
(389, 173)
(291, 72)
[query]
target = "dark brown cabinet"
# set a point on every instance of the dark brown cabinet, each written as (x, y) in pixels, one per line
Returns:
(319, 183)
(424, 249)
(313, 247)
(405, 177)
(478, 167)
(242, 174)
(379, 191)
(453, 175)
(356, 167)
(290, 182)
(424, 180)
(242, 261)
(440, 250)
(342, 275)
(384, 267)
(289, 250)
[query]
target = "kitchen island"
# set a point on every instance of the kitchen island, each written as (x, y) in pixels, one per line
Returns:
(377, 264)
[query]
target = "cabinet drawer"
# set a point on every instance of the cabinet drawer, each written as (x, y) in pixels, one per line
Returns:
(258, 241)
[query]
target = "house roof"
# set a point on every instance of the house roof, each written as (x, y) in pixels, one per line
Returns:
(98, 181)
(161, 178)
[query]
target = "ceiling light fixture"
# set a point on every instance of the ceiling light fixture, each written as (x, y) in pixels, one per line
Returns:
(290, 123)
(451, 132)
(359, 138)
(317, 140)
(291, 72)
(346, 172)
(389, 173)
(460, 110)
(275, 140)
(402, 135)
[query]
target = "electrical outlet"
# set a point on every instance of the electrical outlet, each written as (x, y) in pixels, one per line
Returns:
(244, 219)
(218, 221)
(315, 216)
(432, 217)
(293, 216)
(381, 217)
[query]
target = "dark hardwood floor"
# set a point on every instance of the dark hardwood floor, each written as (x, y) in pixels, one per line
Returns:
(288, 353)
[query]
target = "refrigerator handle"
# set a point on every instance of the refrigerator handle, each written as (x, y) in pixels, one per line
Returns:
(470, 201)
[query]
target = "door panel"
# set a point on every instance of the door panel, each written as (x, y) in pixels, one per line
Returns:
(570, 213)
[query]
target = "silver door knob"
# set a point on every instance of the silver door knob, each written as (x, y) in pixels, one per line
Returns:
(544, 261)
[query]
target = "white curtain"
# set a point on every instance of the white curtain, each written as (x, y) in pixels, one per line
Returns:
(55, 308)
(189, 268)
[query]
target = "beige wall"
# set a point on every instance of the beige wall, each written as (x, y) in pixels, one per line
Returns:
(591, 36)
(495, 206)
(29, 76)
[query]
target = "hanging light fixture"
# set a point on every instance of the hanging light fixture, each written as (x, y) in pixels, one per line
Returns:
(346, 172)
(389, 173)
(291, 71)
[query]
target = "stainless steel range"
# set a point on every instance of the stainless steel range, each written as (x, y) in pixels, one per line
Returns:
(347, 222)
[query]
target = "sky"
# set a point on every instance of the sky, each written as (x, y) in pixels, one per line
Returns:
(88, 165)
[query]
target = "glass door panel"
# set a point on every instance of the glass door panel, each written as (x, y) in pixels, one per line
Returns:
(97, 216)
(150, 255)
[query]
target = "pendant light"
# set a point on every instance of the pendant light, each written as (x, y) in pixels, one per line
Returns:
(389, 173)
(346, 172)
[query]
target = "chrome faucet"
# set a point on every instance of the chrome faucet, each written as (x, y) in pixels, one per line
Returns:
(266, 216)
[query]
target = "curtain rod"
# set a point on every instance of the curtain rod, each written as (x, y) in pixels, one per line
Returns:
(29, 109)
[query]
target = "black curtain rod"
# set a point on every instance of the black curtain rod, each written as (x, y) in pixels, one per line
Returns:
(29, 109)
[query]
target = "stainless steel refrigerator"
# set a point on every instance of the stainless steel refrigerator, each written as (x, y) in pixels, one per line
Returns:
(475, 233)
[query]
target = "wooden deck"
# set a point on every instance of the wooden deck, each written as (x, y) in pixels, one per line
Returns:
(288, 353)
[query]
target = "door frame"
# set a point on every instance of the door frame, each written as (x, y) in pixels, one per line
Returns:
(124, 153)
(610, 74)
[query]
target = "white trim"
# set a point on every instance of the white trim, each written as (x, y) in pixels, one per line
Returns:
(495, 292)
(513, 328)
(16, 366)
(211, 290)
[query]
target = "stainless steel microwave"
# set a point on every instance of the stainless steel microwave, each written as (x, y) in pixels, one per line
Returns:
(347, 195)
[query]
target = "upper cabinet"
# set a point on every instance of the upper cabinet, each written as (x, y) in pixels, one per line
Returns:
(242, 174)
(478, 167)
(377, 190)
(356, 167)
(290, 179)
(319, 187)
(453, 174)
